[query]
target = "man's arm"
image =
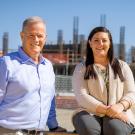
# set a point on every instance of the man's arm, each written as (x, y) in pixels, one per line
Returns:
(52, 121)
(3, 78)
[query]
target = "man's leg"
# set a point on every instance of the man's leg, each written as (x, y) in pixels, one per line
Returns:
(5, 131)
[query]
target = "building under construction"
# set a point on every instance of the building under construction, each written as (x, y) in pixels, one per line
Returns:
(65, 56)
(122, 43)
(5, 43)
(65, 59)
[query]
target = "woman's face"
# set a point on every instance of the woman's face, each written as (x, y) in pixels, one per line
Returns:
(100, 44)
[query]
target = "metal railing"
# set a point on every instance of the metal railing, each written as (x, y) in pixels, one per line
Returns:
(63, 83)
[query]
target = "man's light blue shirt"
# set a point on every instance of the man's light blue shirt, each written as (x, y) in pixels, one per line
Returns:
(26, 91)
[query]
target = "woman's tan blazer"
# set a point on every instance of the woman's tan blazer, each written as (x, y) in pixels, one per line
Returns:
(90, 93)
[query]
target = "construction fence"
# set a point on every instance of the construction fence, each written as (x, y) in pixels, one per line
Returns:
(63, 84)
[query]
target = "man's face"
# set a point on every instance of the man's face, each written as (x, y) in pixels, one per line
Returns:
(33, 38)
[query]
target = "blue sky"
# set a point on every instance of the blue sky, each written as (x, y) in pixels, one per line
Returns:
(59, 15)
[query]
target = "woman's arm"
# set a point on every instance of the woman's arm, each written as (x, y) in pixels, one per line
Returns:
(83, 97)
(128, 98)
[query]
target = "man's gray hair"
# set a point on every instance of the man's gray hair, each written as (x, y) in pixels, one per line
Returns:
(32, 19)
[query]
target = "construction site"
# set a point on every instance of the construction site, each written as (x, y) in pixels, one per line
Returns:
(64, 57)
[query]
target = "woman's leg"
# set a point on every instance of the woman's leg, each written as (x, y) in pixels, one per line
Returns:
(116, 127)
(85, 124)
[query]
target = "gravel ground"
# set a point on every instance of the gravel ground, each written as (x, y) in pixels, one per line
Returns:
(64, 117)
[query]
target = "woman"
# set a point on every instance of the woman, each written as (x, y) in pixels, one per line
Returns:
(104, 88)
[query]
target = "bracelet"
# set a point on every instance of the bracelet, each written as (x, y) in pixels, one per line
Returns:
(123, 106)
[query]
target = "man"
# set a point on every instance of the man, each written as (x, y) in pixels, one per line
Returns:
(27, 83)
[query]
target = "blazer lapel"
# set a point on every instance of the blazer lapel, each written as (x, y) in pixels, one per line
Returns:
(100, 81)
(112, 87)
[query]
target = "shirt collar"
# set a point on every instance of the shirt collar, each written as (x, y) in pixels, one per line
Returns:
(25, 58)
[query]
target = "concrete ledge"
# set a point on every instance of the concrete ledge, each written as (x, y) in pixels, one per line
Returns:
(65, 133)
(66, 102)
(60, 133)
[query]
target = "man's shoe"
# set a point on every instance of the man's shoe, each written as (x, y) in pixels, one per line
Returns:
(58, 129)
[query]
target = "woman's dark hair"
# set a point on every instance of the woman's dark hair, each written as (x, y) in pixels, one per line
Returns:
(90, 73)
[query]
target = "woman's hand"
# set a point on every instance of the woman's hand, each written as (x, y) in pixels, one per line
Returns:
(114, 110)
(101, 109)
(123, 117)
